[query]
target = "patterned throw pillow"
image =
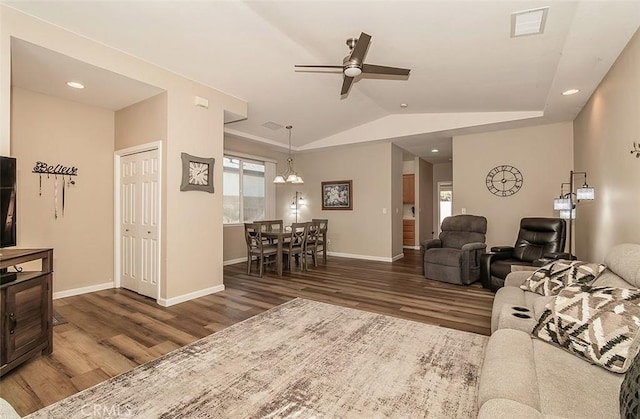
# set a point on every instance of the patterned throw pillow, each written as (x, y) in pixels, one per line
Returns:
(552, 277)
(599, 324)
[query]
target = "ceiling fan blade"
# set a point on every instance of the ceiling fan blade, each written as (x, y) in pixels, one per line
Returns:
(346, 85)
(381, 69)
(318, 66)
(361, 48)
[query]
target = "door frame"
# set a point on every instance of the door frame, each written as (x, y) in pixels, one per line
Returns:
(117, 157)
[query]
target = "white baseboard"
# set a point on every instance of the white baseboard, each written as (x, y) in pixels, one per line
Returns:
(83, 290)
(411, 247)
(366, 257)
(234, 261)
(166, 302)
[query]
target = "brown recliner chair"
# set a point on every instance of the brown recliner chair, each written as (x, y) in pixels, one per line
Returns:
(455, 256)
(539, 241)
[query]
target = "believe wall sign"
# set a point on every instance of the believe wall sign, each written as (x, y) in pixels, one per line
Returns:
(59, 188)
(43, 168)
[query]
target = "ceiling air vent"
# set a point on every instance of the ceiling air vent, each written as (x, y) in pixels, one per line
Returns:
(528, 22)
(272, 125)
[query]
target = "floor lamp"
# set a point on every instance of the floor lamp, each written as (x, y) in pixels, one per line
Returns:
(297, 201)
(568, 201)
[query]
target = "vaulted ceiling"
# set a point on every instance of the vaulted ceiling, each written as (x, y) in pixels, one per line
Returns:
(467, 73)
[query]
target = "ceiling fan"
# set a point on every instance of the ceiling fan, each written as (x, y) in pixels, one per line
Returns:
(353, 65)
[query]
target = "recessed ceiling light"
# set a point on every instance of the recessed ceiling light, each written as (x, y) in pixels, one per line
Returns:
(75, 84)
(434, 150)
(570, 92)
(403, 105)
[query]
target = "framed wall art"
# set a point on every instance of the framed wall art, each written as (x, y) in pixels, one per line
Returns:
(337, 195)
(197, 173)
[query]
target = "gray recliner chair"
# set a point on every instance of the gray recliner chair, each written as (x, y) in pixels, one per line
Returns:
(455, 256)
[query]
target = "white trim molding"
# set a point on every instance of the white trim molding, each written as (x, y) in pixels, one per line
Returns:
(166, 302)
(234, 261)
(367, 257)
(83, 290)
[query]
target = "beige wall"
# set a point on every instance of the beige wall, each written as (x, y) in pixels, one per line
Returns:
(605, 131)
(396, 201)
(142, 123)
(57, 131)
(364, 231)
(543, 154)
(425, 207)
(192, 221)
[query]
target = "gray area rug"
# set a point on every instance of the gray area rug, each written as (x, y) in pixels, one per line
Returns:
(302, 359)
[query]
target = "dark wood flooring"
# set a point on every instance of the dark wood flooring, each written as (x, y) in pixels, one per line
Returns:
(112, 331)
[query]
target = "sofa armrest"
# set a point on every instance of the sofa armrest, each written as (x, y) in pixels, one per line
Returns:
(517, 278)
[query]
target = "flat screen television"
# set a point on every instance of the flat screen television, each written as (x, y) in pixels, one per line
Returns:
(8, 235)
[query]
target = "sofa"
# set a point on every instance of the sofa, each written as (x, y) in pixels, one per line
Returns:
(525, 377)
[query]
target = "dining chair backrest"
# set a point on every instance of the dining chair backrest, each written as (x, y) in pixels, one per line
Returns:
(252, 235)
(313, 232)
(323, 222)
(298, 234)
(271, 225)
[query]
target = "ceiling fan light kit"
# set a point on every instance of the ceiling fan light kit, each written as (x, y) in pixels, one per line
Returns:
(353, 64)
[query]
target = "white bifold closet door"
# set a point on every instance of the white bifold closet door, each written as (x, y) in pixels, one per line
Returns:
(139, 223)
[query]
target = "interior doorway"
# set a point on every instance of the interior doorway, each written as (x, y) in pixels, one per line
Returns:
(138, 175)
(445, 200)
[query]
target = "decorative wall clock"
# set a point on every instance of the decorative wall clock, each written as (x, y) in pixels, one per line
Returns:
(197, 173)
(504, 180)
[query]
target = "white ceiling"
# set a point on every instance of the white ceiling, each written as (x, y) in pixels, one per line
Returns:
(467, 73)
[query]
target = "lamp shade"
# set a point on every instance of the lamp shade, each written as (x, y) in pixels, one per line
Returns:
(279, 179)
(585, 192)
(562, 204)
(297, 179)
(568, 214)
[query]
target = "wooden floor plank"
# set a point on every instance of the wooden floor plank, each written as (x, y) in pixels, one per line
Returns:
(111, 331)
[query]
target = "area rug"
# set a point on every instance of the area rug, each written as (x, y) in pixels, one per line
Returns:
(302, 359)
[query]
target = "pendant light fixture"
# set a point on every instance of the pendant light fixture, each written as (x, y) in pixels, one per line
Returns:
(290, 176)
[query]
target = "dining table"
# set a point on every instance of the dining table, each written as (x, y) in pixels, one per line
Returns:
(278, 236)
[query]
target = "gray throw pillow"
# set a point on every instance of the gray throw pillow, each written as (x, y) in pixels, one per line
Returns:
(629, 397)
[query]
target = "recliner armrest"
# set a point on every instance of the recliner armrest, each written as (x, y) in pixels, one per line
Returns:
(559, 255)
(502, 249)
(429, 244)
(474, 246)
(485, 264)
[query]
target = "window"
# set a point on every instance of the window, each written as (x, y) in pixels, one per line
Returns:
(244, 190)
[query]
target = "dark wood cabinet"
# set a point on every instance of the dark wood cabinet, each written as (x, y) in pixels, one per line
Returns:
(408, 232)
(26, 309)
(408, 189)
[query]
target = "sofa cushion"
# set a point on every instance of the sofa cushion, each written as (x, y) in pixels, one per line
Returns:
(629, 391)
(444, 256)
(552, 277)
(599, 324)
(573, 388)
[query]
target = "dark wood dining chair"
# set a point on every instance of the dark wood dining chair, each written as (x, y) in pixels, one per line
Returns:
(322, 237)
(311, 243)
(264, 252)
(294, 246)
